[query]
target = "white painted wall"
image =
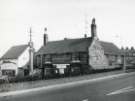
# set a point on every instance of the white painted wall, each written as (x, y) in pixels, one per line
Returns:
(9, 66)
(23, 58)
(20, 62)
(97, 59)
(0, 68)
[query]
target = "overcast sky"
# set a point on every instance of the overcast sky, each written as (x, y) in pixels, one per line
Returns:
(115, 20)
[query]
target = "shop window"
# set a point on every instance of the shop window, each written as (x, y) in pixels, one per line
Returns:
(8, 72)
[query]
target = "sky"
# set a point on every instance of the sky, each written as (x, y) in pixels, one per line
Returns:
(115, 21)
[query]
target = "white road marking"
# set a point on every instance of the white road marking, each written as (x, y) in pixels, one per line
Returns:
(85, 100)
(123, 90)
(57, 86)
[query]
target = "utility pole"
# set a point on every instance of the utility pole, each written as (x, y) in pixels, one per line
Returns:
(124, 61)
(31, 52)
(123, 53)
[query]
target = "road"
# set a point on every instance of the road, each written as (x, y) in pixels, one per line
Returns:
(119, 87)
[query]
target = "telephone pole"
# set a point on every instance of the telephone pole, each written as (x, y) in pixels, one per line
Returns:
(31, 52)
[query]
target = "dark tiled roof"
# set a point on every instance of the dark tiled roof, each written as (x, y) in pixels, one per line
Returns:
(110, 48)
(75, 45)
(66, 46)
(14, 52)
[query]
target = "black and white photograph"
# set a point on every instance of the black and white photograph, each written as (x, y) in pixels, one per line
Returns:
(67, 50)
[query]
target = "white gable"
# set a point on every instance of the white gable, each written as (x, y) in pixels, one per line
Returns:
(23, 58)
(97, 59)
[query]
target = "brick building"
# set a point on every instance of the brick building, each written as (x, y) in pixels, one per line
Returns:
(78, 55)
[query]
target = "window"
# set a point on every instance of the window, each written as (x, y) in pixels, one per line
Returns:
(38, 60)
(75, 56)
(8, 72)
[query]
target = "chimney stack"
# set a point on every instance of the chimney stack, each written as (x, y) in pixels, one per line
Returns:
(85, 35)
(122, 48)
(127, 48)
(93, 29)
(45, 37)
(132, 48)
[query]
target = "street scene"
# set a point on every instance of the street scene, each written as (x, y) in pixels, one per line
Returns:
(94, 61)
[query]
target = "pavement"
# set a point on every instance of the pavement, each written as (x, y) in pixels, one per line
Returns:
(117, 87)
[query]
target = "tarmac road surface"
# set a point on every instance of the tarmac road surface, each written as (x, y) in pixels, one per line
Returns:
(120, 87)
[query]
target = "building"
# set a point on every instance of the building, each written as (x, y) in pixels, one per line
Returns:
(15, 61)
(129, 56)
(0, 67)
(78, 55)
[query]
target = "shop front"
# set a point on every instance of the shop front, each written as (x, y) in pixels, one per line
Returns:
(9, 69)
(61, 69)
(49, 70)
